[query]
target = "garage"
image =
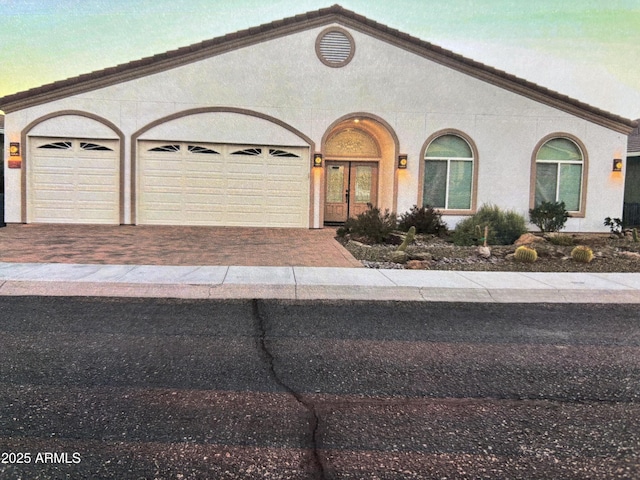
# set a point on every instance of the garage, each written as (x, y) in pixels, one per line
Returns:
(192, 183)
(73, 181)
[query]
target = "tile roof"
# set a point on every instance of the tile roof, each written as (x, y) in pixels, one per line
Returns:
(335, 13)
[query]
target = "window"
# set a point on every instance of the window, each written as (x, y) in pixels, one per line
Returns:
(202, 150)
(166, 148)
(94, 146)
(559, 167)
(57, 146)
(448, 174)
(282, 153)
(254, 152)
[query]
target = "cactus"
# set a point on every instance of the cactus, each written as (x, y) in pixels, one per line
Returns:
(634, 233)
(407, 240)
(582, 254)
(525, 254)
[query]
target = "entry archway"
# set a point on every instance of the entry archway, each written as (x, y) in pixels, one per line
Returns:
(359, 152)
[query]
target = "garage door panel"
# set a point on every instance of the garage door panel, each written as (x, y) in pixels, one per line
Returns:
(203, 200)
(57, 196)
(59, 181)
(94, 182)
(73, 184)
(100, 199)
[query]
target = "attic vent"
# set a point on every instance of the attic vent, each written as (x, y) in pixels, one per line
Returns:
(335, 47)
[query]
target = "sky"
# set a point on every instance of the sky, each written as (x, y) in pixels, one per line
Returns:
(587, 49)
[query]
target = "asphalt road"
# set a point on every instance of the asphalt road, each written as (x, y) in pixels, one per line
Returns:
(178, 389)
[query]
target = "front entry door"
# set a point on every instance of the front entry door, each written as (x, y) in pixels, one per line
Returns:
(350, 186)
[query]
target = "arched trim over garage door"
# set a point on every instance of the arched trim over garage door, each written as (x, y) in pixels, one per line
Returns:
(139, 136)
(78, 113)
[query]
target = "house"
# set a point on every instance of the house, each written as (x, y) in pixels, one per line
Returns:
(302, 122)
(631, 211)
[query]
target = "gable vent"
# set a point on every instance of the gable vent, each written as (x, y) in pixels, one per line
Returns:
(335, 47)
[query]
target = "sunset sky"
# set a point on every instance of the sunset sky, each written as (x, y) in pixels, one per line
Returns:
(587, 49)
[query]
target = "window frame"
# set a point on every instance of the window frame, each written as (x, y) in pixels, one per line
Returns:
(580, 213)
(474, 171)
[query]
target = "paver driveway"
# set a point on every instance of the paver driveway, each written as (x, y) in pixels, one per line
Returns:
(160, 245)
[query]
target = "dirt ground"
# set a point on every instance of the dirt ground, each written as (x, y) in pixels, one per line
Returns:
(611, 254)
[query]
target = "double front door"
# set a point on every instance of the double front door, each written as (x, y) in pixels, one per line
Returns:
(350, 186)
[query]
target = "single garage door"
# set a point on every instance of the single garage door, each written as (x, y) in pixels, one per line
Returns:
(73, 181)
(184, 183)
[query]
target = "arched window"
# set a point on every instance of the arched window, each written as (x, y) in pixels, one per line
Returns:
(448, 174)
(559, 173)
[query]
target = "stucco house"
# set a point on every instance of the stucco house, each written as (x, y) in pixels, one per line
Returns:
(302, 122)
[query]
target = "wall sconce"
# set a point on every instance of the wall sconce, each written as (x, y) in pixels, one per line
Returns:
(317, 160)
(617, 165)
(402, 161)
(14, 149)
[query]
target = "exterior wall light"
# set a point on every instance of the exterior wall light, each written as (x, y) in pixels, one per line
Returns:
(14, 149)
(317, 160)
(617, 165)
(402, 161)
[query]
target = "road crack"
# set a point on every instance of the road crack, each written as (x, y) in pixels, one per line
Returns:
(317, 462)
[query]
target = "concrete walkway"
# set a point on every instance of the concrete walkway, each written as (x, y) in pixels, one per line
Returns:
(305, 283)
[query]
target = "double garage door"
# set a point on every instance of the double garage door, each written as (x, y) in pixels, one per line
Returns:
(188, 183)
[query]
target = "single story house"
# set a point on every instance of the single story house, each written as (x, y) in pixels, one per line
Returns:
(303, 122)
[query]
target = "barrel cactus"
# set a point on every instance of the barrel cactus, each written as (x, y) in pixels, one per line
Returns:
(582, 254)
(525, 254)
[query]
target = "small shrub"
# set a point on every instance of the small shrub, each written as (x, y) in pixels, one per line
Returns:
(561, 240)
(549, 216)
(504, 227)
(371, 226)
(582, 254)
(634, 235)
(425, 219)
(525, 254)
(616, 226)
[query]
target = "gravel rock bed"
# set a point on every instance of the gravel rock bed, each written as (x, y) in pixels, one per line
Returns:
(611, 254)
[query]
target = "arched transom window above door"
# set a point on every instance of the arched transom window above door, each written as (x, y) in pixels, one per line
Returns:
(352, 142)
(449, 167)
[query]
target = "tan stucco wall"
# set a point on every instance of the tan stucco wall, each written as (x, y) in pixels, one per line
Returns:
(282, 78)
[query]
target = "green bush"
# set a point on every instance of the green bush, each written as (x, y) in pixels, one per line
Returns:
(549, 216)
(425, 219)
(371, 226)
(616, 225)
(504, 227)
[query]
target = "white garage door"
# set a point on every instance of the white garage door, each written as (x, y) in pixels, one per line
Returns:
(183, 183)
(73, 181)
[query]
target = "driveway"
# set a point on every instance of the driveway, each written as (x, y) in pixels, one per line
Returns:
(160, 245)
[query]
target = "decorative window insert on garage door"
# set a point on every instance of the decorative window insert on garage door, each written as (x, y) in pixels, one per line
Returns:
(187, 183)
(73, 181)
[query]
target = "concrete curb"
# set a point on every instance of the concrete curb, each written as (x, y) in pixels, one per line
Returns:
(307, 283)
